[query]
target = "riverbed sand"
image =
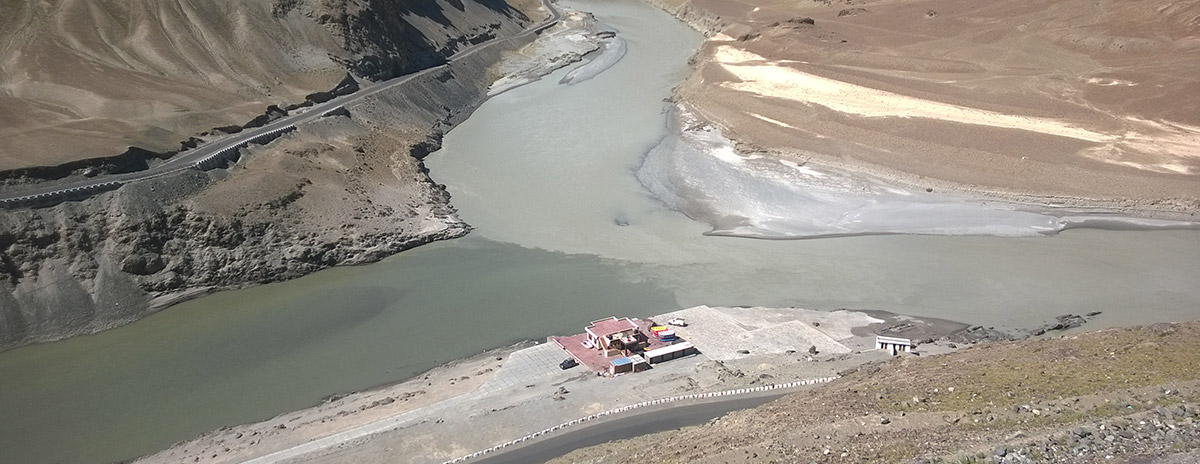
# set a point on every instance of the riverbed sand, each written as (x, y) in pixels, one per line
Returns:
(337, 413)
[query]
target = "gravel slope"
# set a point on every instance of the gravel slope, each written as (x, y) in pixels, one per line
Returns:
(1117, 395)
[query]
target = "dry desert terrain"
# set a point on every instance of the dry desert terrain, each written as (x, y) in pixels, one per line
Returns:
(1086, 103)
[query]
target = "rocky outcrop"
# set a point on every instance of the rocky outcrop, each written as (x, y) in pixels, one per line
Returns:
(388, 40)
(700, 19)
(348, 188)
(82, 267)
(131, 160)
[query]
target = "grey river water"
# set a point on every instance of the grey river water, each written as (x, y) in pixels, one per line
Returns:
(565, 234)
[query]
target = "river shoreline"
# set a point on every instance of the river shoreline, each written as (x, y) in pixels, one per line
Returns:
(760, 194)
(439, 224)
(473, 403)
(444, 402)
(347, 188)
(339, 412)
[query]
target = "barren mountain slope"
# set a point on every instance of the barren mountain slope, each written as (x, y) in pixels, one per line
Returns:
(346, 188)
(1081, 99)
(87, 78)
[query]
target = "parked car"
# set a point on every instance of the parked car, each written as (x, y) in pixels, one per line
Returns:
(568, 363)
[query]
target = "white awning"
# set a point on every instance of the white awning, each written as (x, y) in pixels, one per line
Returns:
(667, 350)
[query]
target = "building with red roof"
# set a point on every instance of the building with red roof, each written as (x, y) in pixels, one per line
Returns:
(613, 334)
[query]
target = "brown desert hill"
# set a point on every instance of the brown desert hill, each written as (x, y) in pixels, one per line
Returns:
(345, 188)
(1116, 395)
(83, 79)
(1091, 103)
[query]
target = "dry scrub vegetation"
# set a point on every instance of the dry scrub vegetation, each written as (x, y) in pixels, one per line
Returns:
(1125, 393)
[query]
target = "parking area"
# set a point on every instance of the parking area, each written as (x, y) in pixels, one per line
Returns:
(573, 346)
(730, 333)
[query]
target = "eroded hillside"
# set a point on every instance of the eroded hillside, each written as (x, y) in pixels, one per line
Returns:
(86, 79)
(345, 188)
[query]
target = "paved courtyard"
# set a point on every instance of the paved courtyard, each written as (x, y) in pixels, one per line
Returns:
(526, 366)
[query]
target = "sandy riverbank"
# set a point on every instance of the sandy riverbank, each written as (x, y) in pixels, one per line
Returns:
(699, 171)
(570, 41)
(995, 102)
(339, 412)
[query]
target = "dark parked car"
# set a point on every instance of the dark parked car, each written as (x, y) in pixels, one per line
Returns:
(568, 363)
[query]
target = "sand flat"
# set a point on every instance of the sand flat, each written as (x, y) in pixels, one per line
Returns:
(1070, 101)
(768, 78)
(1150, 145)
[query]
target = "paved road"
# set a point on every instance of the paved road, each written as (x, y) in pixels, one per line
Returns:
(624, 426)
(211, 153)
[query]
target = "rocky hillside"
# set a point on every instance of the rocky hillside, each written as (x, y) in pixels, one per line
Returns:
(1118, 395)
(86, 79)
(347, 188)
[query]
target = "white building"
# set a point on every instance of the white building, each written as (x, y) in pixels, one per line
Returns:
(894, 344)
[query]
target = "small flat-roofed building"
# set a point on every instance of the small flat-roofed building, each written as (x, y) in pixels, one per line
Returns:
(893, 344)
(624, 364)
(620, 365)
(670, 352)
(613, 335)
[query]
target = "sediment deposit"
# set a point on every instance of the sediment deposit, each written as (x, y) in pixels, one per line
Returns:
(1041, 105)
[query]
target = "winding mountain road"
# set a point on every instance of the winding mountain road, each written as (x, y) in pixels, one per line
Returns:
(645, 423)
(207, 155)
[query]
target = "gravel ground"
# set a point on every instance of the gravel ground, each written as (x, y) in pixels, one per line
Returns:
(1117, 395)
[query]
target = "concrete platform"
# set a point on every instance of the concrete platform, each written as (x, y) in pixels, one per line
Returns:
(720, 333)
(525, 367)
